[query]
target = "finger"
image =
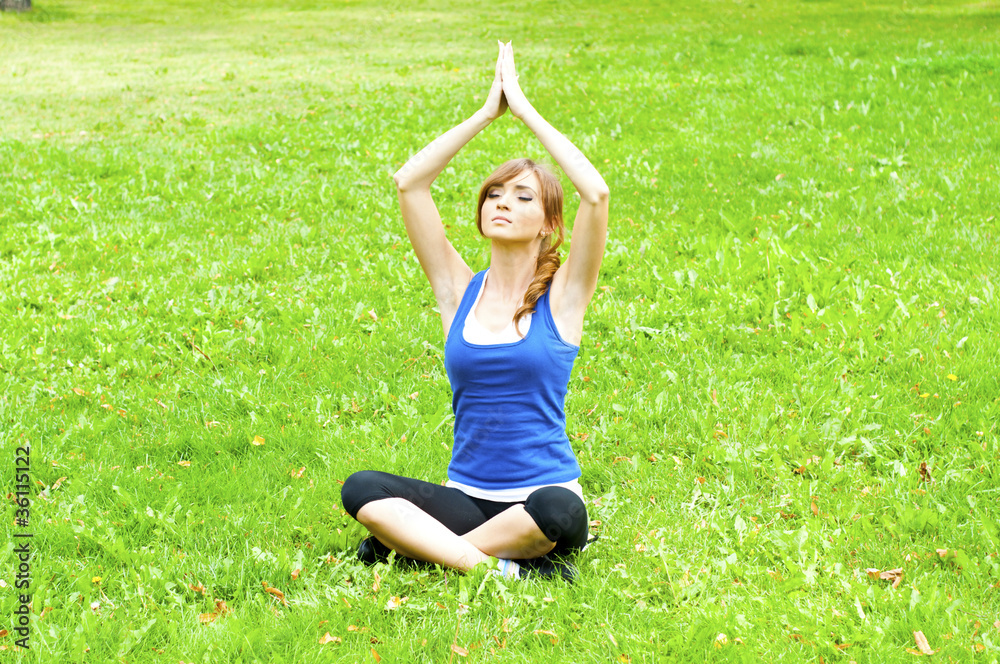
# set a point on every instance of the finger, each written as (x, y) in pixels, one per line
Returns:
(500, 59)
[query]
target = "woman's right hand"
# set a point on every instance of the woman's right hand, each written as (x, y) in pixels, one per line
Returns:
(496, 102)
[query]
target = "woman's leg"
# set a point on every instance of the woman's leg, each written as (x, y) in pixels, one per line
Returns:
(562, 516)
(412, 532)
(511, 534)
(552, 519)
(445, 526)
(416, 519)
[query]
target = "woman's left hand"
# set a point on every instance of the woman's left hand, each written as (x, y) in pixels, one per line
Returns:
(496, 104)
(516, 101)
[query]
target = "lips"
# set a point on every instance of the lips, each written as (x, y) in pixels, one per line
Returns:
(499, 218)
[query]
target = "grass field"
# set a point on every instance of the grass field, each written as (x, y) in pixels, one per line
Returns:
(789, 384)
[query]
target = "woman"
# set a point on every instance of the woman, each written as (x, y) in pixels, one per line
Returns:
(512, 333)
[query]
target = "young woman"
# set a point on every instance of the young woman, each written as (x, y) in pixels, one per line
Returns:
(512, 333)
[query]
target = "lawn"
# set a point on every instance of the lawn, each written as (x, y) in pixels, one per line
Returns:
(787, 401)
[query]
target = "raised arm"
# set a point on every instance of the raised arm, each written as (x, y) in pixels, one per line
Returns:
(574, 284)
(446, 271)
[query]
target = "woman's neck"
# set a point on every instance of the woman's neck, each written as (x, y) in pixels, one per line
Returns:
(511, 272)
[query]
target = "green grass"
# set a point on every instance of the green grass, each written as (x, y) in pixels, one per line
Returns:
(200, 244)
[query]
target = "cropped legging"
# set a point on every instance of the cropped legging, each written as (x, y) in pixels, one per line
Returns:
(558, 512)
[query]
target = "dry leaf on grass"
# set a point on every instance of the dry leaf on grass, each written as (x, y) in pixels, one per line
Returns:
(925, 648)
(220, 610)
(459, 650)
(274, 591)
(395, 602)
(329, 638)
(553, 637)
(258, 440)
(894, 575)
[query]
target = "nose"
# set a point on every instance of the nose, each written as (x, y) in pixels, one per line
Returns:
(502, 201)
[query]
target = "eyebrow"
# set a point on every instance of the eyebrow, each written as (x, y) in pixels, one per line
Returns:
(516, 186)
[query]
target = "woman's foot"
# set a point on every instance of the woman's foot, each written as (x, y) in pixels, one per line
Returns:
(545, 567)
(371, 551)
(542, 567)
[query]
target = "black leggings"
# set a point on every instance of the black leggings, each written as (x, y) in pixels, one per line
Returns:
(558, 512)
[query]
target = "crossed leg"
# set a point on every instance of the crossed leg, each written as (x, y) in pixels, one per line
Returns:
(442, 525)
(412, 532)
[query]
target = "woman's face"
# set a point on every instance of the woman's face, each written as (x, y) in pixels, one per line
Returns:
(513, 211)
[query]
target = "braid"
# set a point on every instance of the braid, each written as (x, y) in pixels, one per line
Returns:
(545, 269)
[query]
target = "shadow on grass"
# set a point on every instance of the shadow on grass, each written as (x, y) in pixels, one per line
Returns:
(47, 13)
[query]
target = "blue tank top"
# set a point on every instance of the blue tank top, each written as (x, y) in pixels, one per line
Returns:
(509, 400)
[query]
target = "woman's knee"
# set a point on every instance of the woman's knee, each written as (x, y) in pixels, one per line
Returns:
(561, 516)
(360, 489)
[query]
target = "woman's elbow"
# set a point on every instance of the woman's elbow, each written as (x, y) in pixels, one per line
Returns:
(400, 179)
(406, 184)
(598, 195)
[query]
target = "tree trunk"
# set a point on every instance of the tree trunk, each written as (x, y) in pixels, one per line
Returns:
(15, 5)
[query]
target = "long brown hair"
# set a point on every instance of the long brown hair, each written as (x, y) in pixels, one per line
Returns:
(552, 203)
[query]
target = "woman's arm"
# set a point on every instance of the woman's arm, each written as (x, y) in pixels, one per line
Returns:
(574, 284)
(446, 271)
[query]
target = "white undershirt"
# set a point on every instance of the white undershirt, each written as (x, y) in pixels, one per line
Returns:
(476, 333)
(511, 495)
